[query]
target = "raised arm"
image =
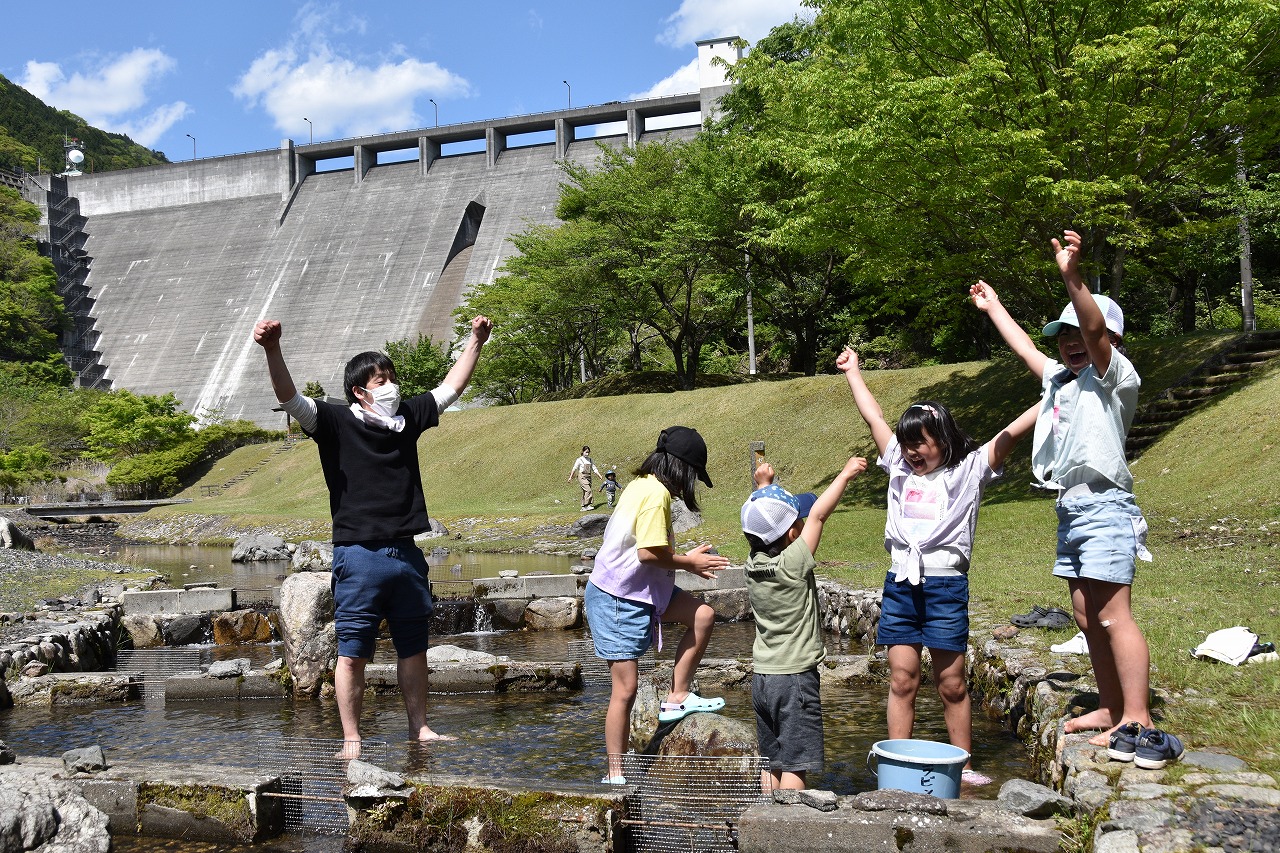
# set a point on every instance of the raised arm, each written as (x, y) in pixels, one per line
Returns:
(1093, 327)
(459, 376)
(870, 410)
(985, 299)
(822, 508)
(266, 334)
(999, 447)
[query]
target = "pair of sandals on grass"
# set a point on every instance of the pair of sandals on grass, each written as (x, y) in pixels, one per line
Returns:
(1043, 617)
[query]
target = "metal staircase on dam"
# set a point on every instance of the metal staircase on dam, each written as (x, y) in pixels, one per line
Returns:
(65, 247)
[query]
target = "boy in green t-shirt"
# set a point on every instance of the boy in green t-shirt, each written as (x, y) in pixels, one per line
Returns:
(783, 531)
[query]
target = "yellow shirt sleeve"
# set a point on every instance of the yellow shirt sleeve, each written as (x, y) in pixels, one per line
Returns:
(653, 519)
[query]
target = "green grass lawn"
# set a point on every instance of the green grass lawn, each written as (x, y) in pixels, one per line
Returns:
(1210, 489)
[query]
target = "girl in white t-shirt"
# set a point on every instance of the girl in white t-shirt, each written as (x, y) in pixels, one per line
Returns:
(936, 478)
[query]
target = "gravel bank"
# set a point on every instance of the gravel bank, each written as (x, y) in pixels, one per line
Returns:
(28, 578)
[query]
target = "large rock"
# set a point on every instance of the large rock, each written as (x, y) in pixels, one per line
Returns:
(708, 734)
(313, 556)
(241, 626)
(552, 613)
(306, 626)
(143, 629)
(591, 524)
(51, 816)
(85, 759)
(435, 530)
(683, 518)
(255, 547)
(187, 629)
(11, 536)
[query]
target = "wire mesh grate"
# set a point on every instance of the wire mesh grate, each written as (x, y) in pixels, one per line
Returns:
(311, 778)
(690, 802)
(154, 666)
(595, 672)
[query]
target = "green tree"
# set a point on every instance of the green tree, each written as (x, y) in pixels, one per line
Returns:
(313, 389)
(420, 364)
(561, 312)
(934, 141)
(31, 312)
(123, 424)
(658, 215)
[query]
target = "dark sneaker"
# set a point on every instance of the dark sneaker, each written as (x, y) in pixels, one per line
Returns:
(1155, 749)
(1123, 742)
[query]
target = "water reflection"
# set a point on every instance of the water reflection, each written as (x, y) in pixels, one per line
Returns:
(539, 739)
(522, 737)
(260, 581)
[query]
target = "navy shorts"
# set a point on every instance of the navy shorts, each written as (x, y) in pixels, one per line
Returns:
(934, 614)
(380, 580)
(789, 720)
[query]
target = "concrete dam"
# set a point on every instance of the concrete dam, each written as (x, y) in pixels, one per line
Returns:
(168, 268)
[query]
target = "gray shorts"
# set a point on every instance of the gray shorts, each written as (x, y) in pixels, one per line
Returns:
(789, 720)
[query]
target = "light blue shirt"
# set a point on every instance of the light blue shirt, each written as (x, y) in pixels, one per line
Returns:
(1082, 426)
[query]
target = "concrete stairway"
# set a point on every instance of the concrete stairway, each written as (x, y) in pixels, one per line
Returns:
(1227, 369)
(288, 444)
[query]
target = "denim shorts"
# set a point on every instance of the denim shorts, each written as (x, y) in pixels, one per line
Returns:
(1100, 537)
(621, 629)
(379, 580)
(789, 720)
(934, 614)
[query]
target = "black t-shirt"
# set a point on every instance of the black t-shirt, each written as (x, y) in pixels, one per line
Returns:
(375, 485)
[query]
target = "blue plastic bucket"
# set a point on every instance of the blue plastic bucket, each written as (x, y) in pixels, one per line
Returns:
(919, 766)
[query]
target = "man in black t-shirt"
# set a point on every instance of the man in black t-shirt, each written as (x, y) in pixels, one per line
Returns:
(369, 456)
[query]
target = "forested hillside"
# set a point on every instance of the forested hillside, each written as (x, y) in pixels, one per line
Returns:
(31, 135)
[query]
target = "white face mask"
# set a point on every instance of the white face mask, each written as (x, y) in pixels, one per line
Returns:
(386, 399)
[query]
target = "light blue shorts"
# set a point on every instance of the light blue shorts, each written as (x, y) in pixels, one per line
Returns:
(1100, 537)
(621, 629)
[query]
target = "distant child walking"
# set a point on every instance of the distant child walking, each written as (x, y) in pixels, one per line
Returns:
(937, 475)
(632, 588)
(610, 487)
(582, 469)
(783, 531)
(1089, 400)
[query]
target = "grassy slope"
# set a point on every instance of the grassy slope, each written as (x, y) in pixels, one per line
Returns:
(1210, 488)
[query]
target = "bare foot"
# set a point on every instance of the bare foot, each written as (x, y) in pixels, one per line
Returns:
(427, 737)
(349, 752)
(1092, 721)
(1104, 739)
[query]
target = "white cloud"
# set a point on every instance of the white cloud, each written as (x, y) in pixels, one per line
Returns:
(342, 96)
(112, 95)
(681, 81)
(704, 19)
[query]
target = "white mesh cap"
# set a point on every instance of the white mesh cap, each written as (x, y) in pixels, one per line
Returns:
(770, 511)
(1112, 316)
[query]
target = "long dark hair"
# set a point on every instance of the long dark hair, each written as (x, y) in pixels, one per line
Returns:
(929, 416)
(677, 475)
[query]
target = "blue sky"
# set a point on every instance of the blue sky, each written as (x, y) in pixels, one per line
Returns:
(240, 76)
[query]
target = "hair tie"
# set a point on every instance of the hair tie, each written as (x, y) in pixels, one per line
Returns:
(930, 409)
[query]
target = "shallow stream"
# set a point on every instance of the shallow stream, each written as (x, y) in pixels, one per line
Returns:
(556, 738)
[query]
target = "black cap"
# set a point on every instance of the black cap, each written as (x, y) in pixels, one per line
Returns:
(685, 444)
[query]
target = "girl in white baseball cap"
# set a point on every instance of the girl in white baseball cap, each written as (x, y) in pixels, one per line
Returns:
(1088, 403)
